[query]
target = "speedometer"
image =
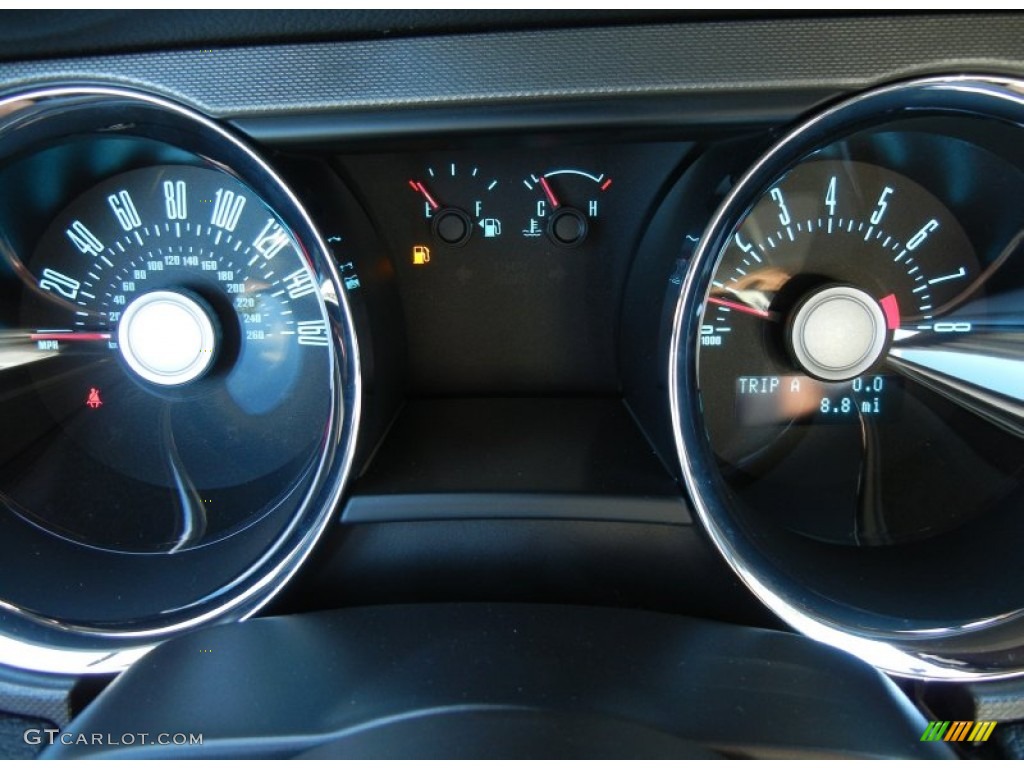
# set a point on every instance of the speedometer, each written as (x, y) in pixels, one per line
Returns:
(184, 350)
(179, 378)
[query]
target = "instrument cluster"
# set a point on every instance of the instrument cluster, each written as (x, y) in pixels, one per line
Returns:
(211, 355)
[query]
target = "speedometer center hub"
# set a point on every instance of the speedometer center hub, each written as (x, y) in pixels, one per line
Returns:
(167, 338)
(837, 333)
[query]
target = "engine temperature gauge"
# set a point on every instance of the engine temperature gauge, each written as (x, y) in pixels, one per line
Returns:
(567, 201)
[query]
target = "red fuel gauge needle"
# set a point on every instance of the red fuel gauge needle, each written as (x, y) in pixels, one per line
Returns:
(68, 336)
(549, 193)
(418, 186)
(764, 314)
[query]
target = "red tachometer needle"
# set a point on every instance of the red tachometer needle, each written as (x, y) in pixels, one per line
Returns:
(764, 314)
(69, 336)
(891, 308)
(547, 191)
(418, 186)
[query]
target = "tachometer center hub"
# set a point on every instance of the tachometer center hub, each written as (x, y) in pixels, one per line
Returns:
(837, 333)
(166, 338)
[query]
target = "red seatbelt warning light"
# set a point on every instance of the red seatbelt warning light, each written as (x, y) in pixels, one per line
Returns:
(93, 400)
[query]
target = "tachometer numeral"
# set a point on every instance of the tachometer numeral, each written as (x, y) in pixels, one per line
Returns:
(300, 283)
(830, 197)
(227, 209)
(784, 216)
(961, 272)
(271, 239)
(880, 206)
(313, 333)
(175, 200)
(56, 282)
(124, 209)
(743, 246)
(922, 234)
(83, 239)
(953, 327)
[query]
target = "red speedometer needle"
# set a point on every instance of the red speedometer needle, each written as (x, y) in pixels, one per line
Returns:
(547, 191)
(418, 186)
(764, 314)
(68, 336)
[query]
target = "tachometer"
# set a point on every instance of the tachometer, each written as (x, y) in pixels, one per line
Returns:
(838, 265)
(846, 377)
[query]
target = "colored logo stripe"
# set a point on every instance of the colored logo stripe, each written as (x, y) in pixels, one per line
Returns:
(982, 730)
(959, 730)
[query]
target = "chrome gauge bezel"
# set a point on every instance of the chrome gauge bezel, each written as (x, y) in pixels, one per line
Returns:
(49, 644)
(988, 648)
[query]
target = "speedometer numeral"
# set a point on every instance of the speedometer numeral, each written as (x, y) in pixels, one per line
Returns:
(271, 239)
(300, 283)
(313, 333)
(84, 240)
(227, 209)
(175, 200)
(57, 282)
(124, 209)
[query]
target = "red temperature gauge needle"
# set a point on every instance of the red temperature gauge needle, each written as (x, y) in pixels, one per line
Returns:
(764, 314)
(69, 336)
(547, 191)
(418, 186)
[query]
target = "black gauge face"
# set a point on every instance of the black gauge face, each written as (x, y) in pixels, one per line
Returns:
(173, 386)
(566, 202)
(846, 325)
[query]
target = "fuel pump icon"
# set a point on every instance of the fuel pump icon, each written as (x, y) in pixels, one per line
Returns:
(491, 227)
(420, 255)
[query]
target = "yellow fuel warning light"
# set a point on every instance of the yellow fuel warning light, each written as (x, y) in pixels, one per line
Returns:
(420, 255)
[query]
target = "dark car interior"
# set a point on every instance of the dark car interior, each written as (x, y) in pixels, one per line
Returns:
(511, 384)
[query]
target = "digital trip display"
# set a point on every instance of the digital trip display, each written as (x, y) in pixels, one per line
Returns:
(768, 400)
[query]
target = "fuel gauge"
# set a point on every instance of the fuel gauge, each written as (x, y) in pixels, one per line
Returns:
(454, 202)
(566, 203)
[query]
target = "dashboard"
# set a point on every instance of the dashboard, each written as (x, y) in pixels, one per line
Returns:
(511, 384)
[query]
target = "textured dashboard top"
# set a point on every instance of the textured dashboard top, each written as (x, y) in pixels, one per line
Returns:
(836, 53)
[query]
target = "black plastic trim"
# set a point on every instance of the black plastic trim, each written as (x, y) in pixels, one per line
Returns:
(275, 687)
(741, 58)
(463, 506)
(655, 115)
